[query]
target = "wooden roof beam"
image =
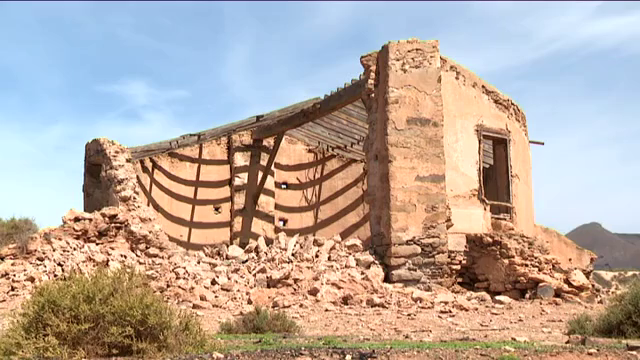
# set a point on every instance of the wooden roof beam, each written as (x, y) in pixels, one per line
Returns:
(331, 131)
(329, 148)
(357, 128)
(329, 104)
(326, 139)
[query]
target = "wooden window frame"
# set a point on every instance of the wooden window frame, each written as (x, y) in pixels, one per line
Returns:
(483, 133)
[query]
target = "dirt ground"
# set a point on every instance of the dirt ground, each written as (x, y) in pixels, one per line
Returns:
(525, 321)
(441, 354)
(538, 321)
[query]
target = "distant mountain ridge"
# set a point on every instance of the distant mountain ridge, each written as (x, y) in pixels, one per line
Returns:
(615, 251)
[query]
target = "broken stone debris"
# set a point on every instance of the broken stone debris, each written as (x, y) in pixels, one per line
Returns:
(297, 271)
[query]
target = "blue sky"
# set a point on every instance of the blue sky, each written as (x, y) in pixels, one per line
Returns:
(144, 72)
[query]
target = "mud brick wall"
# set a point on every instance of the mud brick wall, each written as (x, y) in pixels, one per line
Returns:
(406, 141)
(108, 176)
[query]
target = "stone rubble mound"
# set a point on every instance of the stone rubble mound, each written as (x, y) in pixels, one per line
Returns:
(518, 266)
(292, 271)
(296, 270)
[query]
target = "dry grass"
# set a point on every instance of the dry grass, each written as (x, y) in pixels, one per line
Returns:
(106, 314)
(17, 231)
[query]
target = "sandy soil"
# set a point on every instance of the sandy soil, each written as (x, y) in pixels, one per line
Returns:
(535, 320)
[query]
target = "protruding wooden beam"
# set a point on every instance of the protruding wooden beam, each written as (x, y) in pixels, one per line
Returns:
(331, 103)
(536, 142)
(140, 152)
(272, 159)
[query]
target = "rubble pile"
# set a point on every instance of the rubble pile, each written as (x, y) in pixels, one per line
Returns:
(520, 267)
(297, 270)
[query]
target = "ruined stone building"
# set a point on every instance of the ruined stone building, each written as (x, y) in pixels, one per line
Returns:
(411, 158)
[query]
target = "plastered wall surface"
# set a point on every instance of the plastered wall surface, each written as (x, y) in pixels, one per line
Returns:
(248, 162)
(189, 189)
(324, 194)
(568, 253)
(406, 136)
(468, 102)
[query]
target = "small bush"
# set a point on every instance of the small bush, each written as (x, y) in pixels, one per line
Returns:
(106, 314)
(261, 321)
(620, 319)
(17, 231)
(581, 325)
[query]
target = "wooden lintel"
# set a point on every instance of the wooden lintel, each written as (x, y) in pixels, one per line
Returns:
(265, 175)
(329, 104)
(536, 142)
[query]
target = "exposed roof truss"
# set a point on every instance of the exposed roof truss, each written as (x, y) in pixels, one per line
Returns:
(336, 123)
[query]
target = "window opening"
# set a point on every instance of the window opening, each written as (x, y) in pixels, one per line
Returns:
(284, 185)
(283, 222)
(496, 174)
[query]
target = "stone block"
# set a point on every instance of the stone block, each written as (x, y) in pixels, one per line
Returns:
(393, 261)
(404, 251)
(404, 275)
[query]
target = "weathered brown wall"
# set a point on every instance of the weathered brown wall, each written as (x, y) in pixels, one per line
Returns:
(249, 159)
(108, 176)
(186, 187)
(468, 102)
(569, 254)
(324, 195)
(409, 112)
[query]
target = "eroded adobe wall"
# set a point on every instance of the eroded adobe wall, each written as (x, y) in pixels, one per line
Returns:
(109, 179)
(199, 192)
(468, 102)
(569, 254)
(319, 193)
(407, 129)
(189, 189)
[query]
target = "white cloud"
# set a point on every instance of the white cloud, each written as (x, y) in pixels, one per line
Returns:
(148, 114)
(138, 92)
(512, 35)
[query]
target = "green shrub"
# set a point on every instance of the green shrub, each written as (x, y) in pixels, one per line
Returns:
(581, 325)
(508, 357)
(260, 321)
(106, 314)
(620, 319)
(17, 231)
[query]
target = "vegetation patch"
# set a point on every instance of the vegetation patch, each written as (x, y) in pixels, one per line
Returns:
(261, 321)
(105, 314)
(620, 319)
(17, 231)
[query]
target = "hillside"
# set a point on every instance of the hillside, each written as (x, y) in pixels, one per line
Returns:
(614, 251)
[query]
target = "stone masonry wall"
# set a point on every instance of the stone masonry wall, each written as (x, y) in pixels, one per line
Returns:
(108, 179)
(408, 129)
(377, 157)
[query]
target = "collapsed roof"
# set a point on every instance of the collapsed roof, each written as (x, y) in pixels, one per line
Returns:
(336, 123)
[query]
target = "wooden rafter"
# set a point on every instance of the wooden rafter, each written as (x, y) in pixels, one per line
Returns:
(329, 104)
(265, 175)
